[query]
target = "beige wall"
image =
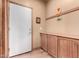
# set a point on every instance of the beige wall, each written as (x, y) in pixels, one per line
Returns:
(68, 25)
(52, 5)
(38, 11)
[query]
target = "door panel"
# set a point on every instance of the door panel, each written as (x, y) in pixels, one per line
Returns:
(52, 45)
(44, 41)
(76, 49)
(63, 47)
(20, 29)
(66, 47)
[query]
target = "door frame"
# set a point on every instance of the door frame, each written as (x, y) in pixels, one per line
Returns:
(5, 26)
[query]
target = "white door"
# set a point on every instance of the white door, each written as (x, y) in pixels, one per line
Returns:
(20, 21)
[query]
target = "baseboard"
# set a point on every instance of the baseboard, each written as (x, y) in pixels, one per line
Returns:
(36, 48)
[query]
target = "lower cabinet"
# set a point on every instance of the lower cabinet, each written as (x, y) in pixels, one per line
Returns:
(67, 48)
(61, 47)
(44, 41)
(52, 45)
(63, 50)
(78, 51)
(76, 48)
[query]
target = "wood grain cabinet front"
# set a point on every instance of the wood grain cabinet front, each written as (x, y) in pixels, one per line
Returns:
(76, 49)
(68, 48)
(65, 47)
(52, 45)
(59, 46)
(44, 41)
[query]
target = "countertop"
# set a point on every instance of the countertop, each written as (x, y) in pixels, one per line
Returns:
(64, 35)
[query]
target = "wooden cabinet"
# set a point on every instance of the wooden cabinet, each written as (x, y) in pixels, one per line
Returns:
(44, 41)
(52, 45)
(76, 49)
(59, 46)
(65, 47)
(68, 48)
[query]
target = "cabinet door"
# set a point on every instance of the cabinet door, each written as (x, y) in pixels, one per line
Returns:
(0, 47)
(65, 49)
(44, 41)
(76, 49)
(52, 45)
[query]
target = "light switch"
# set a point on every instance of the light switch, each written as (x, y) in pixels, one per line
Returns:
(41, 28)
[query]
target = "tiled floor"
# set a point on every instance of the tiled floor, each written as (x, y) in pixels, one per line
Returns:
(39, 53)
